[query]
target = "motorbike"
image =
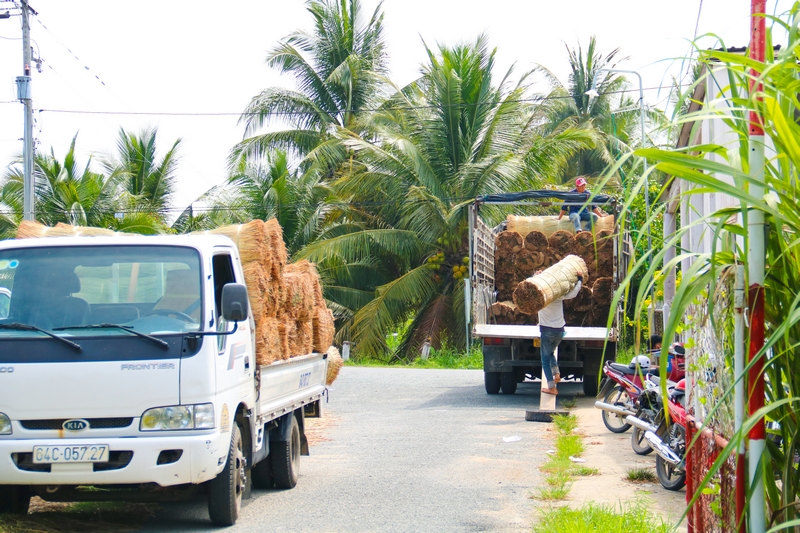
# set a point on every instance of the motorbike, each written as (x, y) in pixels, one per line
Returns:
(620, 389)
(667, 437)
(622, 386)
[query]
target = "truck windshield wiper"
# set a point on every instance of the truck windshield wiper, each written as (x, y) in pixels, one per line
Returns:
(129, 329)
(28, 327)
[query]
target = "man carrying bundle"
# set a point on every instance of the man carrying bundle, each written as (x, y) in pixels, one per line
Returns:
(581, 213)
(551, 329)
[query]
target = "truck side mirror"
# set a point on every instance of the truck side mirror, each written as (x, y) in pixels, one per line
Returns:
(234, 302)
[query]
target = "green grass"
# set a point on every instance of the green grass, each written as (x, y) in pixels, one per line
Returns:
(570, 446)
(584, 471)
(641, 475)
(569, 403)
(565, 424)
(446, 358)
(553, 493)
(594, 518)
(559, 469)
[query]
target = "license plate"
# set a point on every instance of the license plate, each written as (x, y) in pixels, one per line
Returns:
(85, 453)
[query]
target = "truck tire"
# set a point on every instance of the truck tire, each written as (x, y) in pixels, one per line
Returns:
(262, 475)
(590, 385)
(491, 380)
(14, 499)
(508, 382)
(225, 491)
(284, 458)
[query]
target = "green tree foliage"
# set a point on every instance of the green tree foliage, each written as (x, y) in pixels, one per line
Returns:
(338, 69)
(729, 173)
(612, 117)
(452, 135)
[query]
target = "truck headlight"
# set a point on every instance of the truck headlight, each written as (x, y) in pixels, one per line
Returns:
(5, 424)
(176, 417)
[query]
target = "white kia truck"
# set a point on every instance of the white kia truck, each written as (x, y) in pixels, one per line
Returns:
(127, 364)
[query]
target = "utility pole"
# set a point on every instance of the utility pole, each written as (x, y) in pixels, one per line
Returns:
(24, 95)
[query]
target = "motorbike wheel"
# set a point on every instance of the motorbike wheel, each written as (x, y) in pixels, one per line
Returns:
(671, 478)
(639, 443)
(616, 423)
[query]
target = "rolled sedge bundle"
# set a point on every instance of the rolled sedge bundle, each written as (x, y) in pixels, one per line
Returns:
(602, 292)
(562, 243)
(286, 327)
(536, 292)
(251, 240)
(508, 313)
(536, 240)
(279, 255)
(310, 271)
(549, 225)
(29, 229)
(582, 301)
(508, 242)
(268, 341)
(298, 301)
(324, 329)
(335, 364)
(258, 289)
(301, 339)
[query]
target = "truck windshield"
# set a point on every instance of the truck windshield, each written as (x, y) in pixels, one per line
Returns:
(151, 289)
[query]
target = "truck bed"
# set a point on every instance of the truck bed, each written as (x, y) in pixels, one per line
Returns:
(290, 384)
(532, 332)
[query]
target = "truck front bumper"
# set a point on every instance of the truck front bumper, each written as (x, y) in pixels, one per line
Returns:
(133, 460)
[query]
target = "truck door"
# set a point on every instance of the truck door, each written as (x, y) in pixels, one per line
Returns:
(235, 361)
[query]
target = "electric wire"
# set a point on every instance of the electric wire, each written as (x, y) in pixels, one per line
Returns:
(336, 111)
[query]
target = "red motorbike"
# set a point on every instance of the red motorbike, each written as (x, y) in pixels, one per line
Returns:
(620, 390)
(623, 385)
(667, 438)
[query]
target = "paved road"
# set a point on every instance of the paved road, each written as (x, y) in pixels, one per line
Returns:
(404, 450)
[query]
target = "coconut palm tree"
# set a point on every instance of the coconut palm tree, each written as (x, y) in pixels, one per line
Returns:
(69, 191)
(338, 69)
(438, 144)
(612, 117)
(147, 181)
(66, 191)
(266, 188)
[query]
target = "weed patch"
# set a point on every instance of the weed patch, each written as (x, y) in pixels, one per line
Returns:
(593, 518)
(640, 475)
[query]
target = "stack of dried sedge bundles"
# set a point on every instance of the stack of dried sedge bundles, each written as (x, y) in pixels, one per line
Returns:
(288, 308)
(290, 314)
(538, 242)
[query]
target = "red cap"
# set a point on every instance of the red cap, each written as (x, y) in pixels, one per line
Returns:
(579, 182)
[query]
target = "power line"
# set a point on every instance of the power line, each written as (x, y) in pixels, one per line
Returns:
(337, 111)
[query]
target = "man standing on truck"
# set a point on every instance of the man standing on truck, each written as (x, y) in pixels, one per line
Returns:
(581, 213)
(551, 329)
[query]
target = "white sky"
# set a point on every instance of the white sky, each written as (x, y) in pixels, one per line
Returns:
(181, 56)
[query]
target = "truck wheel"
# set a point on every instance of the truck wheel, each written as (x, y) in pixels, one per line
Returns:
(508, 382)
(14, 499)
(491, 380)
(284, 458)
(590, 385)
(262, 475)
(225, 491)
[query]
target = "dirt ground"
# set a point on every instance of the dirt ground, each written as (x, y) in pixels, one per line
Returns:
(611, 453)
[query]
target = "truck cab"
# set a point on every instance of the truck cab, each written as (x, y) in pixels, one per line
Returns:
(129, 363)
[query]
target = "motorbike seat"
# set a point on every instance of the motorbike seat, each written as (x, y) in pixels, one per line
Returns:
(624, 369)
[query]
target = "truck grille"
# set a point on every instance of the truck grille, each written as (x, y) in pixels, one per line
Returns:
(94, 423)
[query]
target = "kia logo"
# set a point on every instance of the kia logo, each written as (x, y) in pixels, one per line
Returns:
(75, 425)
